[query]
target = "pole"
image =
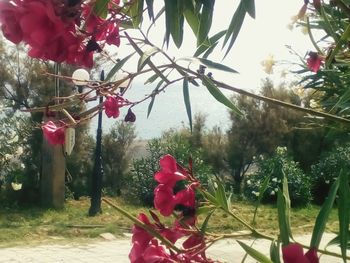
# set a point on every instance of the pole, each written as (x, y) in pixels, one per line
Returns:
(96, 182)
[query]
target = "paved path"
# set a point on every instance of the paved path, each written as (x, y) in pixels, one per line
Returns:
(116, 251)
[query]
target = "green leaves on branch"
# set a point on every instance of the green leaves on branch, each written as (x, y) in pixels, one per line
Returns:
(174, 21)
(343, 211)
(118, 66)
(218, 95)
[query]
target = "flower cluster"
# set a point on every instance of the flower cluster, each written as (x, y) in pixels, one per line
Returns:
(146, 248)
(61, 31)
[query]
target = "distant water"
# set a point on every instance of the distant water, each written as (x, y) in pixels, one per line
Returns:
(169, 110)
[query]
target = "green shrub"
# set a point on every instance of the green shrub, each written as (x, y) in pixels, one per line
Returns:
(326, 171)
(273, 167)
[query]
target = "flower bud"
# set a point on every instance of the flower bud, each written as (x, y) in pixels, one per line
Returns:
(130, 116)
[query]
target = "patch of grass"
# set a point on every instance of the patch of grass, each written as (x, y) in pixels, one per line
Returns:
(72, 224)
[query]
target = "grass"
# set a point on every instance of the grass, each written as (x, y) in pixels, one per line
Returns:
(72, 224)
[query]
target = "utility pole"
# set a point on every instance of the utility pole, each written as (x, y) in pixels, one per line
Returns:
(52, 181)
(97, 174)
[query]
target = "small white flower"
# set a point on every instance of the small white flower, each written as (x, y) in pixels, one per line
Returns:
(313, 104)
(321, 173)
(274, 179)
(272, 192)
(8, 156)
(16, 186)
(23, 166)
(249, 182)
(14, 139)
(276, 189)
(19, 150)
(327, 181)
(255, 193)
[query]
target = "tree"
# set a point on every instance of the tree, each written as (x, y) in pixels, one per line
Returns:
(116, 156)
(260, 130)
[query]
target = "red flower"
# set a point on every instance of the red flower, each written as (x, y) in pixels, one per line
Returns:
(53, 134)
(314, 61)
(164, 199)
(169, 173)
(293, 253)
(112, 105)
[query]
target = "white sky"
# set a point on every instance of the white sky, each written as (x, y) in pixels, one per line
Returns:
(267, 34)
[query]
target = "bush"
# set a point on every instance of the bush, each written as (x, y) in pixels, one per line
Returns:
(326, 171)
(141, 184)
(274, 167)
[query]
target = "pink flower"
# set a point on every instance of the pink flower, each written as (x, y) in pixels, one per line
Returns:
(156, 254)
(293, 253)
(112, 105)
(169, 173)
(186, 197)
(9, 20)
(314, 61)
(53, 134)
(164, 199)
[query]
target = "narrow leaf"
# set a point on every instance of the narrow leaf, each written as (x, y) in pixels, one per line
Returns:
(145, 56)
(343, 211)
(205, 223)
(254, 253)
(155, 91)
(218, 95)
(118, 66)
(275, 252)
(221, 196)
(205, 21)
(190, 15)
(214, 65)
(323, 215)
(136, 12)
(282, 223)
(150, 10)
(187, 101)
(214, 39)
(173, 22)
(235, 26)
(249, 6)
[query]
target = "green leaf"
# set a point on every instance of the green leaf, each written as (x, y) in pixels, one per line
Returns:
(136, 12)
(235, 26)
(145, 56)
(214, 65)
(152, 78)
(211, 198)
(218, 95)
(174, 20)
(190, 15)
(187, 101)
(254, 253)
(262, 190)
(205, 223)
(220, 195)
(336, 241)
(205, 21)
(155, 91)
(100, 8)
(214, 39)
(118, 66)
(249, 6)
(204, 210)
(150, 9)
(343, 211)
(283, 208)
(323, 215)
(275, 252)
